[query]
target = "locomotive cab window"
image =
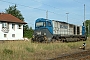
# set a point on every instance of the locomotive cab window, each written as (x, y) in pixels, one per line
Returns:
(44, 24)
(39, 24)
(49, 24)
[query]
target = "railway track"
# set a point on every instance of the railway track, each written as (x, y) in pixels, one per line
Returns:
(83, 55)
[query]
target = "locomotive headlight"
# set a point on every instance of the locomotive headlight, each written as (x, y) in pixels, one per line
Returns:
(44, 33)
(33, 36)
(39, 33)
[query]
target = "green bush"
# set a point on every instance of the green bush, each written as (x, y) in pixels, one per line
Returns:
(28, 32)
(7, 51)
(30, 49)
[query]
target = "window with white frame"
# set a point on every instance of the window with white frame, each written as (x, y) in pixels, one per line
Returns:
(13, 26)
(5, 25)
(5, 35)
(13, 35)
(19, 26)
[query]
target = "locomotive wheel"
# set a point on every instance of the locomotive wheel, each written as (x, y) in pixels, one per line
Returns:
(41, 39)
(32, 40)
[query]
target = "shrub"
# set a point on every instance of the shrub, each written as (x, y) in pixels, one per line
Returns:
(7, 51)
(30, 49)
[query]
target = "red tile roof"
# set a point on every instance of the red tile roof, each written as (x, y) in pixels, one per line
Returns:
(10, 18)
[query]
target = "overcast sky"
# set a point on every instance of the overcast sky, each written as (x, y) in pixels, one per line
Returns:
(57, 9)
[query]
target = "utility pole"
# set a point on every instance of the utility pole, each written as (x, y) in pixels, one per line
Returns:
(84, 14)
(88, 29)
(47, 14)
(68, 24)
(84, 19)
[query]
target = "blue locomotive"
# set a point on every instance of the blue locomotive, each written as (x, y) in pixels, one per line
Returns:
(51, 30)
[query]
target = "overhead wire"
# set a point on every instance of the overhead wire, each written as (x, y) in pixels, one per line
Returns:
(53, 7)
(34, 7)
(28, 7)
(37, 8)
(83, 5)
(61, 9)
(20, 5)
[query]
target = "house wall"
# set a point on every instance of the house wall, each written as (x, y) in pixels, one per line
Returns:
(18, 32)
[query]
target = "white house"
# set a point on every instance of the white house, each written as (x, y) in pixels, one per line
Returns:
(11, 28)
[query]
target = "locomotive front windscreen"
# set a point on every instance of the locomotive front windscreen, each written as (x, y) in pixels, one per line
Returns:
(40, 24)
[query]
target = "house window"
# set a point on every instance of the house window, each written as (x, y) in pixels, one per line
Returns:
(4, 25)
(13, 35)
(5, 35)
(19, 26)
(13, 26)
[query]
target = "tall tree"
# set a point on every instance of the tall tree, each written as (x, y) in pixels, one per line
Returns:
(87, 25)
(15, 12)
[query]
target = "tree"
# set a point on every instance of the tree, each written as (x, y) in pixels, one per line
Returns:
(15, 12)
(28, 32)
(26, 27)
(87, 25)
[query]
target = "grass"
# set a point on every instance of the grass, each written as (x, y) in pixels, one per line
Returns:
(25, 50)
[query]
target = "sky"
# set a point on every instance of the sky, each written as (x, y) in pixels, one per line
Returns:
(57, 9)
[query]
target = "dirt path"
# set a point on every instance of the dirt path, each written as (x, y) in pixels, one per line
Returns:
(83, 55)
